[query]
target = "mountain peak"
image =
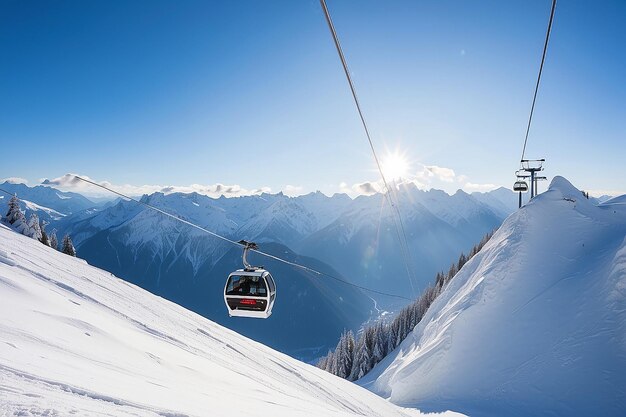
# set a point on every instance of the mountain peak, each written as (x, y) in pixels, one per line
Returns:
(563, 186)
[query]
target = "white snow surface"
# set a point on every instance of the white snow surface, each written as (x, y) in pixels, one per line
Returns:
(75, 340)
(36, 207)
(535, 324)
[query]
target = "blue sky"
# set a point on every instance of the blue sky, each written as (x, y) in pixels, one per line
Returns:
(252, 94)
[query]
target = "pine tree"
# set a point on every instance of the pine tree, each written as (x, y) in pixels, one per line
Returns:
(44, 236)
(440, 279)
(344, 355)
(34, 230)
(332, 362)
(348, 353)
(380, 342)
(370, 342)
(451, 272)
(14, 208)
(323, 362)
(393, 336)
(54, 243)
(361, 360)
(462, 261)
(422, 306)
(20, 224)
(68, 246)
(15, 217)
(401, 327)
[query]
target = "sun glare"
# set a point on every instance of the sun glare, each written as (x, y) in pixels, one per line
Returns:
(395, 166)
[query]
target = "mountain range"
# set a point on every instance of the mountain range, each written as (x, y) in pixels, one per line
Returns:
(352, 239)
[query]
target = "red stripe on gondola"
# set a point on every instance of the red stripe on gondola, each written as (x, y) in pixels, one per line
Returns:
(248, 302)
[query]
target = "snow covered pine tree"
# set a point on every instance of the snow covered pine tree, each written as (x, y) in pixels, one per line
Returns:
(54, 243)
(15, 217)
(44, 236)
(68, 246)
(34, 230)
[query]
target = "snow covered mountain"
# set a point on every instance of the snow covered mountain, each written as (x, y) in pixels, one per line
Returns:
(75, 340)
(534, 324)
(501, 200)
(54, 204)
(362, 243)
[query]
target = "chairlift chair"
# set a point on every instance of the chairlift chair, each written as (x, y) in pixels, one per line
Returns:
(251, 291)
(520, 186)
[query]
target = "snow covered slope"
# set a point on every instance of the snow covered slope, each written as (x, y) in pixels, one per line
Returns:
(75, 340)
(535, 324)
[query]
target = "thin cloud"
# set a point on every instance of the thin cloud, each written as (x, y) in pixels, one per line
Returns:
(482, 188)
(441, 173)
(462, 179)
(428, 177)
(434, 176)
(366, 188)
(262, 190)
(361, 188)
(293, 190)
(14, 180)
(69, 182)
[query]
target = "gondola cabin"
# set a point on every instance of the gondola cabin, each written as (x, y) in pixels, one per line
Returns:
(250, 293)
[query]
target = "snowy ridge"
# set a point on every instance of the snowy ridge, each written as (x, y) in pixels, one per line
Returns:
(76, 340)
(534, 324)
(363, 241)
(501, 200)
(59, 201)
(29, 205)
(453, 209)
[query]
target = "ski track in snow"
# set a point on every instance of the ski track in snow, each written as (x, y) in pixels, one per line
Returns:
(75, 340)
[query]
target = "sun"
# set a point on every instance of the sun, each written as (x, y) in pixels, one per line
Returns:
(395, 166)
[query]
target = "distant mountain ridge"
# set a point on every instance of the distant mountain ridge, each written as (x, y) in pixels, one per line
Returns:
(362, 242)
(356, 237)
(48, 203)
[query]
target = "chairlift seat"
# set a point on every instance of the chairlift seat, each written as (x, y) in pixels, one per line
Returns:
(520, 186)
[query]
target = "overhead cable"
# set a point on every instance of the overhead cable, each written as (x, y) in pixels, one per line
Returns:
(543, 58)
(405, 251)
(6, 192)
